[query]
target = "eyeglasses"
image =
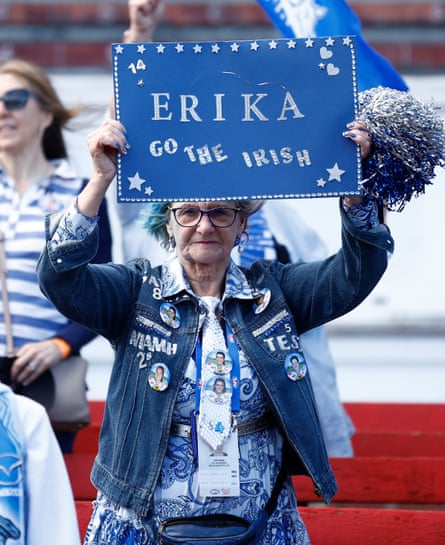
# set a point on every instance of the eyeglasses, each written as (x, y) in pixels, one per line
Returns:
(190, 216)
(17, 99)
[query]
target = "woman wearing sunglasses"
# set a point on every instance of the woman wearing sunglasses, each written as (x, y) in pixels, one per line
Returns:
(35, 179)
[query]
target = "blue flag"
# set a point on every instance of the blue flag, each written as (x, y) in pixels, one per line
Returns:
(309, 18)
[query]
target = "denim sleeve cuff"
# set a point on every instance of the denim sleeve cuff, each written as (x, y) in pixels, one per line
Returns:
(364, 215)
(74, 226)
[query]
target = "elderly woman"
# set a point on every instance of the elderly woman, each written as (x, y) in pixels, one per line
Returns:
(155, 453)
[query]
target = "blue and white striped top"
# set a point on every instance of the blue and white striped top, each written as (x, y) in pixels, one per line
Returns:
(22, 223)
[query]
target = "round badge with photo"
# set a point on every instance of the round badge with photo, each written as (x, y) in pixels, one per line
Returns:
(261, 301)
(219, 362)
(218, 390)
(295, 366)
(170, 315)
(159, 377)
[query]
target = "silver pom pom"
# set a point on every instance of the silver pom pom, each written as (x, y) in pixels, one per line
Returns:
(408, 143)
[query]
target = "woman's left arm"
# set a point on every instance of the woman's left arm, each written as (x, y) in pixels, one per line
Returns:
(322, 291)
(319, 292)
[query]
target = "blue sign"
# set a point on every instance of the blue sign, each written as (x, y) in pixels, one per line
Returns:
(249, 119)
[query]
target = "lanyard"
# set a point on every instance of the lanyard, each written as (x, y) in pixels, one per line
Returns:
(232, 349)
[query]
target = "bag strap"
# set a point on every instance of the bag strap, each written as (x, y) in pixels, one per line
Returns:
(272, 502)
(5, 299)
(259, 525)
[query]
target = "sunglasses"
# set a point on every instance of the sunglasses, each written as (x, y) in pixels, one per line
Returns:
(17, 99)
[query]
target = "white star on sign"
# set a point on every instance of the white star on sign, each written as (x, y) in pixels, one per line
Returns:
(135, 182)
(234, 47)
(321, 182)
(335, 173)
(160, 48)
(254, 46)
(141, 48)
(148, 190)
(119, 49)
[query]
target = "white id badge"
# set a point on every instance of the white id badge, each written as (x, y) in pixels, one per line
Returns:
(219, 469)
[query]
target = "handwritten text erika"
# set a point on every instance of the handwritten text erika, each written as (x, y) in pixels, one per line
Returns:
(250, 107)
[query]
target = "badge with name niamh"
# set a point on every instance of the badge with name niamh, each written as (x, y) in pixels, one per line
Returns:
(249, 119)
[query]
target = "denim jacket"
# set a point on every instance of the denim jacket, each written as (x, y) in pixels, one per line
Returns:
(122, 303)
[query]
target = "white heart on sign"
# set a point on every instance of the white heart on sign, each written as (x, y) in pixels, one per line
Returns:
(325, 53)
(332, 70)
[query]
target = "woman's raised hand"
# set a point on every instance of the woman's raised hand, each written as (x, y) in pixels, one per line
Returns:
(104, 144)
(144, 16)
(358, 133)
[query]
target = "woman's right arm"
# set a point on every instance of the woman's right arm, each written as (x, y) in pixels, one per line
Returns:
(97, 296)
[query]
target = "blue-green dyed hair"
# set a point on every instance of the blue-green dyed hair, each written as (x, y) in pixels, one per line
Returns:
(155, 217)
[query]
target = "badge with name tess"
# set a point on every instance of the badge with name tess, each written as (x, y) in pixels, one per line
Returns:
(248, 119)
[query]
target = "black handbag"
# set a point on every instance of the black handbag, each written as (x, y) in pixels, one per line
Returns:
(41, 390)
(219, 529)
(207, 529)
(61, 390)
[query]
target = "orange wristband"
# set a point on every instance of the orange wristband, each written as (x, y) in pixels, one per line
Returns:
(63, 346)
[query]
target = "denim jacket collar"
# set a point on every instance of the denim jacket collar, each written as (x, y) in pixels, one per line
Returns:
(174, 281)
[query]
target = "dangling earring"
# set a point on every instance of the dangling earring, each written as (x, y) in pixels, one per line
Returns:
(170, 245)
(241, 241)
